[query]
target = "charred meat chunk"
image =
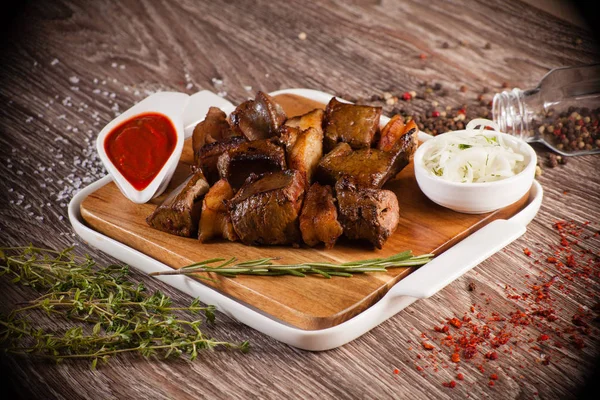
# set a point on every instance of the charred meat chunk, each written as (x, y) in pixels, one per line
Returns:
(349, 123)
(369, 167)
(259, 118)
(318, 220)
(178, 214)
(257, 156)
(312, 119)
(366, 213)
(208, 155)
(265, 210)
(215, 221)
(214, 128)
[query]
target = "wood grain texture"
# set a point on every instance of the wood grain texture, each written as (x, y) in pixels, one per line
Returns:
(72, 65)
(424, 228)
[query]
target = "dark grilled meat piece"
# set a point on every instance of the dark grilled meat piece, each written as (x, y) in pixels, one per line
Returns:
(257, 156)
(349, 123)
(259, 118)
(318, 220)
(214, 128)
(366, 213)
(369, 167)
(265, 210)
(178, 214)
(207, 156)
(215, 221)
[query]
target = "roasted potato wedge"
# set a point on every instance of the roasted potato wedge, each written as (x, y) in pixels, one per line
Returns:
(319, 217)
(215, 221)
(305, 154)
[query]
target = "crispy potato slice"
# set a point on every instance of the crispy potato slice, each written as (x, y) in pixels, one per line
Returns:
(319, 217)
(305, 154)
(215, 221)
(312, 119)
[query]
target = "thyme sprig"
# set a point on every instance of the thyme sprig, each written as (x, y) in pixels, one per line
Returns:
(111, 314)
(266, 266)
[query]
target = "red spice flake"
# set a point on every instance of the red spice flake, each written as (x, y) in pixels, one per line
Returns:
(455, 322)
(422, 56)
(455, 357)
(460, 377)
(419, 368)
(406, 96)
(543, 338)
(579, 321)
(552, 260)
(470, 352)
(444, 329)
(428, 346)
(527, 252)
(435, 114)
(571, 261)
(491, 355)
(578, 342)
(451, 384)
(491, 383)
(481, 368)
(494, 377)
(396, 371)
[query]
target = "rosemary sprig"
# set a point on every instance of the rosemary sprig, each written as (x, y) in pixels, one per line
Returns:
(266, 266)
(110, 314)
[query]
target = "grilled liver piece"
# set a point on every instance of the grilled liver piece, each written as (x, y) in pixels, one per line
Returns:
(349, 123)
(257, 156)
(259, 118)
(369, 167)
(215, 221)
(207, 156)
(214, 128)
(366, 213)
(178, 214)
(318, 220)
(266, 208)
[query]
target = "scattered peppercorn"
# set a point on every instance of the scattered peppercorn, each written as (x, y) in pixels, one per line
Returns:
(494, 377)
(451, 384)
(504, 85)
(463, 88)
(572, 130)
(527, 252)
(487, 46)
(445, 45)
(460, 377)
(396, 371)
(471, 286)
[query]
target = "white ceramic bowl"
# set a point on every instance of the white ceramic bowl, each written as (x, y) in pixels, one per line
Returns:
(169, 104)
(477, 198)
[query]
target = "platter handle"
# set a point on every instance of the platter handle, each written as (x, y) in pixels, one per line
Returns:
(456, 261)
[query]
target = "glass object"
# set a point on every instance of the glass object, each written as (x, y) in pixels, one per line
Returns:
(563, 111)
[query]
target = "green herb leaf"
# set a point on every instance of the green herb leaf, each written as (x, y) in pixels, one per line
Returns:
(464, 146)
(326, 270)
(123, 317)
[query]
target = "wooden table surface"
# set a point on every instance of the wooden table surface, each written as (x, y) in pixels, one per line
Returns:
(71, 66)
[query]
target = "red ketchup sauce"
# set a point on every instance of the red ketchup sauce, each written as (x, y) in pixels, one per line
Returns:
(140, 146)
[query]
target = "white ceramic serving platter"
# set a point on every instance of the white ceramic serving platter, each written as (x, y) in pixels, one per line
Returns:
(423, 283)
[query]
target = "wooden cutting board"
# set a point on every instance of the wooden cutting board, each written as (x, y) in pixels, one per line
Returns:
(307, 303)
